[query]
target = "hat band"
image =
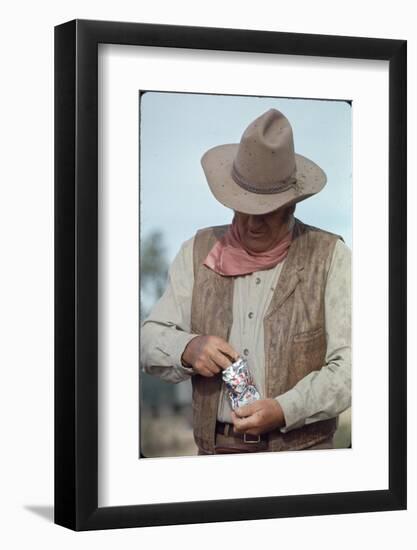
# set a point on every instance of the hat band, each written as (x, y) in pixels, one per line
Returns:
(278, 187)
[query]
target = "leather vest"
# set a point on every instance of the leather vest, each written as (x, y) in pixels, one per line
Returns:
(294, 329)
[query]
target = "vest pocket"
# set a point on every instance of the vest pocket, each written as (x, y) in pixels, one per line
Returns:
(308, 335)
(308, 354)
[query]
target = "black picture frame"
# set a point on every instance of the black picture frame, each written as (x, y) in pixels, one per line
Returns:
(76, 273)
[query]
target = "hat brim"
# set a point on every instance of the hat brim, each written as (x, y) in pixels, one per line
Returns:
(217, 165)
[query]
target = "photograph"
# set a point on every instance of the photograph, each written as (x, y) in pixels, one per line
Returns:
(230, 239)
(245, 274)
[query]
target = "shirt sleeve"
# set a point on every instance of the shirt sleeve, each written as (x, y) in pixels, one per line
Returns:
(326, 393)
(166, 331)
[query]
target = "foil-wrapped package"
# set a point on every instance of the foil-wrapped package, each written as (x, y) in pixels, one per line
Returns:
(240, 385)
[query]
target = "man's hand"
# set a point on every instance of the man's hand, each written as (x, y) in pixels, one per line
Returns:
(208, 355)
(258, 417)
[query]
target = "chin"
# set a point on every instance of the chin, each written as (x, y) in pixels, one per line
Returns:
(257, 247)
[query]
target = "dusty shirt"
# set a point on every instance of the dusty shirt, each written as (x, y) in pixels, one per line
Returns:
(320, 395)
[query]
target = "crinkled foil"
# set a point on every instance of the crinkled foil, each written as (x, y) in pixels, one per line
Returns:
(240, 385)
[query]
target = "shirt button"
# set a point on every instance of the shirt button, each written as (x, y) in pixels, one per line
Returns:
(258, 281)
(250, 315)
(245, 351)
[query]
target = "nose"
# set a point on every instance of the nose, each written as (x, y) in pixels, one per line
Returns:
(255, 223)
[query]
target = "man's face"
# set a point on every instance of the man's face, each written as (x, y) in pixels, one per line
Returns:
(262, 232)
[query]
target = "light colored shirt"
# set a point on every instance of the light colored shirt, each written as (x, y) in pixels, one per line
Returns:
(320, 395)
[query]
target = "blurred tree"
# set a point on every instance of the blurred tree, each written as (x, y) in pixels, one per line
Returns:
(153, 276)
(153, 270)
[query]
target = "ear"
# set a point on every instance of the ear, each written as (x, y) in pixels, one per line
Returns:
(290, 210)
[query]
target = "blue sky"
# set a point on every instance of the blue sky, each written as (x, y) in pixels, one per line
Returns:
(177, 128)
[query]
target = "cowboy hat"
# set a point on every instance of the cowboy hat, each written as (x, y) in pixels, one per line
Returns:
(262, 173)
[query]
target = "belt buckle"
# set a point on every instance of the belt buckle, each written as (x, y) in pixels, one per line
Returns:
(246, 440)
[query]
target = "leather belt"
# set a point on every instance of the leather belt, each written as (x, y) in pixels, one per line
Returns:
(228, 430)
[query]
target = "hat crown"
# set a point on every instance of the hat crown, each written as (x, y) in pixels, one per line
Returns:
(265, 160)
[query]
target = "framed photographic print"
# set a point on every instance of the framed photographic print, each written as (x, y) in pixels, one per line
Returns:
(252, 345)
(173, 128)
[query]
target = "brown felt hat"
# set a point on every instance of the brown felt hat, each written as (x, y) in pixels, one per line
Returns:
(262, 172)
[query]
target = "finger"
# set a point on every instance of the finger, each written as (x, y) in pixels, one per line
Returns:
(235, 418)
(221, 360)
(206, 373)
(244, 424)
(211, 366)
(200, 367)
(247, 410)
(227, 349)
